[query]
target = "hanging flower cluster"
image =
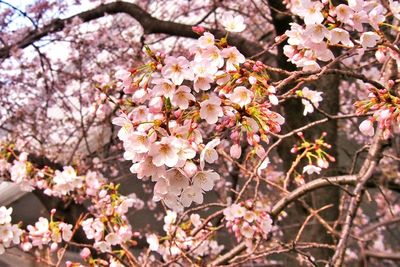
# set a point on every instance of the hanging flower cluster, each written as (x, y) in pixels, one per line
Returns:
(10, 234)
(172, 98)
(327, 25)
(310, 99)
(47, 233)
(62, 184)
(386, 109)
(248, 221)
(317, 157)
(107, 224)
(180, 240)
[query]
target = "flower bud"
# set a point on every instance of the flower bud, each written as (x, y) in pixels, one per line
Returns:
(198, 29)
(85, 253)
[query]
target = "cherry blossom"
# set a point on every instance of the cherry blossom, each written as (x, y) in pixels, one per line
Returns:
(235, 151)
(209, 154)
(10, 234)
(313, 96)
(367, 128)
(311, 12)
(153, 242)
(191, 194)
(241, 96)
(233, 23)
(177, 69)
(163, 87)
(211, 110)
(233, 56)
(369, 39)
(164, 152)
(181, 97)
(205, 180)
(206, 40)
(5, 215)
(310, 169)
(338, 35)
(344, 13)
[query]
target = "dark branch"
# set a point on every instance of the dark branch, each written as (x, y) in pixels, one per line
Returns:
(151, 25)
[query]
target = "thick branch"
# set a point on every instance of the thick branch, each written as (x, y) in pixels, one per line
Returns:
(309, 187)
(364, 175)
(383, 255)
(150, 25)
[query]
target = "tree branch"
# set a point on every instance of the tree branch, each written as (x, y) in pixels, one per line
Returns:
(151, 25)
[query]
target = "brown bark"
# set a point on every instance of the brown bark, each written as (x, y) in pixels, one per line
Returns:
(293, 109)
(150, 25)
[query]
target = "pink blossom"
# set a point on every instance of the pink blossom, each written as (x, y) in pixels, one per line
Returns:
(369, 39)
(241, 96)
(207, 40)
(177, 69)
(311, 12)
(164, 152)
(153, 242)
(209, 154)
(339, 35)
(233, 23)
(310, 169)
(191, 194)
(233, 56)
(205, 180)
(210, 110)
(85, 253)
(367, 128)
(344, 13)
(182, 97)
(235, 151)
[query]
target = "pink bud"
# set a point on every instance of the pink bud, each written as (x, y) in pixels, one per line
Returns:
(235, 151)
(85, 253)
(23, 156)
(198, 29)
(155, 105)
(102, 193)
(26, 246)
(322, 163)
(178, 113)
(367, 128)
(252, 80)
(190, 168)
(53, 246)
(235, 227)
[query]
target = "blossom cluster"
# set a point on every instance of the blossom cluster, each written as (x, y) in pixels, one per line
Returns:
(173, 99)
(310, 99)
(47, 233)
(180, 240)
(314, 152)
(10, 234)
(62, 184)
(248, 222)
(43, 233)
(109, 226)
(326, 26)
(386, 109)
